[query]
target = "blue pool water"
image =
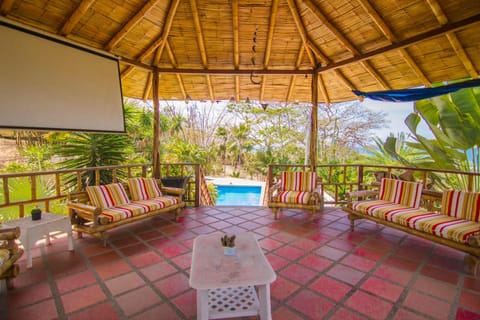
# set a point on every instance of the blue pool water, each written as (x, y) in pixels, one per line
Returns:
(238, 195)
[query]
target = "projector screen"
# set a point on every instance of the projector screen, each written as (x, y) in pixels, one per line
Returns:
(48, 84)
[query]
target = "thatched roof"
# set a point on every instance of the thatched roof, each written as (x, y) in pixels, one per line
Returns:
(203, 49)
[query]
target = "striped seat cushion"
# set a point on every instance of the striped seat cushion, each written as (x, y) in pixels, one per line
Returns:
(297, 197)
(143, 188)
(461, 204)
(157, 203)
(107, 196)
(135, 208)
(447, 227)
(401, 192)
(298, 181)
(389, 211)
(4, 256)
(121, 212)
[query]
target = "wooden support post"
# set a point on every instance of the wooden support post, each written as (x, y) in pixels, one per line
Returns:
(156, 127)
(314, 122)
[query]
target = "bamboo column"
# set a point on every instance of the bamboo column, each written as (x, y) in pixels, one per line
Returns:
(314, 121)
(156, 126)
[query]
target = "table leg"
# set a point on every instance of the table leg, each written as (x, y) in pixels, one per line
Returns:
(70, 239)
(202, 304)
(27, 246)
(264, 300)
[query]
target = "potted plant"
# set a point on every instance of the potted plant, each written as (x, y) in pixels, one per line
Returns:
(228, 243)
(36, 213)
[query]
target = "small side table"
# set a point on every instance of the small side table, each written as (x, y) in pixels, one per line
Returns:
(33, 231)
(227, 285)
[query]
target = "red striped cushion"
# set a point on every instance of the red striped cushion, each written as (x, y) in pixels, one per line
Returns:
(297, 197)
(143, 188)
(121, 212)
(157, 203)
(401, 192)
(298, 181)
(107, 196)
(461, 204)
(451, 228)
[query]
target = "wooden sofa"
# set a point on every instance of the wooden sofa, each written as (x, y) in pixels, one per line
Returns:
(296, 190)
(9, 254)
(101, 208)
(406, 206)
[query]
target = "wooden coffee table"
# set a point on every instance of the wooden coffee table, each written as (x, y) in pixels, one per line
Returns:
(227, 285)
(32, 231)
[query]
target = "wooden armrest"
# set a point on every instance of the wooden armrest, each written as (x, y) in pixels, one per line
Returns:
(9, 233)
(173, 190)
(84, 208)
(474, 241)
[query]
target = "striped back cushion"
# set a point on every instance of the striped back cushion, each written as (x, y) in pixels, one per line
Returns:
(401, 192)
(461, 204)
(107, 196)
(144, 188)
(298, 181)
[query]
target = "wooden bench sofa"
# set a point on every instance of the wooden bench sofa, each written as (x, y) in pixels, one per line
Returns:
(406, 206)
(9, 254)
(101, 208)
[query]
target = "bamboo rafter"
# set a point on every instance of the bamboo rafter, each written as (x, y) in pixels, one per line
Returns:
(298, 61)
(382, 25)
(345, 42)
(147, 7)
(160, 41)
(453, 39)
(72, 21)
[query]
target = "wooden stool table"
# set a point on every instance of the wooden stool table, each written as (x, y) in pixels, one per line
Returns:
(227, 285)
(31, 231)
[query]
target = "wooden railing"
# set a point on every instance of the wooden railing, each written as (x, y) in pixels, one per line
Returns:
(338, 179)
(20, 192)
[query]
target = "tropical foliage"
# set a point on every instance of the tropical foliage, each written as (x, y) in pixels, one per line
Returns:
(454, 123)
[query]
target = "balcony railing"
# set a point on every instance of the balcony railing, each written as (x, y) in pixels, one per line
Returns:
(20, 192)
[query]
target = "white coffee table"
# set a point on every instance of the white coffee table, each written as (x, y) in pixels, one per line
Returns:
(227, 285)
(33, 231)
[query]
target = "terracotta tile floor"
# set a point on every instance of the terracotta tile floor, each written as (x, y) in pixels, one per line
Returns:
(324, 271)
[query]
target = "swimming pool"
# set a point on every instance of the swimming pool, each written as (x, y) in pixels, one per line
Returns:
(233, 195)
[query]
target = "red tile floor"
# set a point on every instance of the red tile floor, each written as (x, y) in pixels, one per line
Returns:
(324, 271)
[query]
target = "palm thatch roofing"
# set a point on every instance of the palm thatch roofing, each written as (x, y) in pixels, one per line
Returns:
(267, 50)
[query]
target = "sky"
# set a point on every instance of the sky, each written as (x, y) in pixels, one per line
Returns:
(396, 114)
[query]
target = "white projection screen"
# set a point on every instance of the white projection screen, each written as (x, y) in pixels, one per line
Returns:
(47, 84)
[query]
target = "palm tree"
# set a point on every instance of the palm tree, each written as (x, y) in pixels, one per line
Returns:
(81, 150)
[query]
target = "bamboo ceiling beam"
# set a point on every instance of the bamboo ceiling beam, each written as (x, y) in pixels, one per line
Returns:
(268, 47)
(345, 42)
(236, 50)
(293, 79)
(201, 44)
(323, 89)
(344, 79)
(6, 6)
(382, 25)
(173, 61)
(462, 24)
(72, 21)
(147, 7)
(453, 39)
(160, 41)
(301, 30)
(149, 84)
